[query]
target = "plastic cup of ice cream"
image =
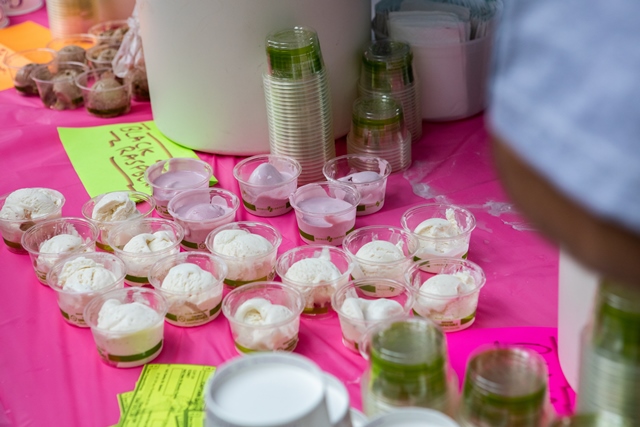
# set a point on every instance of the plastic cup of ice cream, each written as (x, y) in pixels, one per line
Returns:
(364, 303)
(191, 282)
(325, 211)
(127, 325)
(447, 291)
(168, 178)
(381, 251)
(201, 211)
(316, 271)
(110, 32)
(21, 66)
(105, 94)
(110, 210)
(443, 230)
(78, 278)
(24, 208)
(140, 244)
(266, 181)
(264, 316)
(268, 389)
(248, 248)
(368, 174)
(56, 84)
(54, 239)
(101, 56)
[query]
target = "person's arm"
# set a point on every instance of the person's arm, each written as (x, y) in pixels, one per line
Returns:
(603, 246)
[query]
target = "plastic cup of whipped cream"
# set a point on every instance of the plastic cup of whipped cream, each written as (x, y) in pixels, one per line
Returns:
(447, 291)
(381, 251)
(191, 282)
(19, 211)
(249, 249)
(172, 176)
(267, 389)
(443, 230)
(112, 214)
(368, 174)
(52, 240)
(364, 303)
(264, 316)
(78, 278)
(413, 417)
(200, 211)
(162, 238)
(317, 272)
(127, 325)
(325, 211)
(266, 181)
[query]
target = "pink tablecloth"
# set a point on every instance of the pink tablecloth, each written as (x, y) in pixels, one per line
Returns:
(50, 373)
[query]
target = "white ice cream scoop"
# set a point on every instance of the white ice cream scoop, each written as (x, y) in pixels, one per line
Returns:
(85, 275)
(115, 206)
(187, 277)
(266, 174)
(61, 243)
(147, 242)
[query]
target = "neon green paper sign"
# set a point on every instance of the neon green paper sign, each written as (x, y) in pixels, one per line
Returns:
(114, 157)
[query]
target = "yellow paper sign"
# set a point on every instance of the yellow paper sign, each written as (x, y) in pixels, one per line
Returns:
(114, 157)
(167, 395)
(15, 38)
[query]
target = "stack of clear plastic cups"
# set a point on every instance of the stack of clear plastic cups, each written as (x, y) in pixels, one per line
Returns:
(409, 367)
(609, 381)
(378, 128)
(298, 101)
(505, 386)
(387, 69)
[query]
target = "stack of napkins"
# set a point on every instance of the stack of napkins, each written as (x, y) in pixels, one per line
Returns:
(167, 395)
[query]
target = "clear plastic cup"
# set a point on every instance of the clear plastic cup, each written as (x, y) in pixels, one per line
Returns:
(359, 170)
(56, 84)
(110, 32)
(21, 66)
(317, 292)
(378, 121)
(456, 245)
(105, 95)
(85, 41)
(73, 302)
(370, 290)
(34, 238)
(408, 367)
(325, 211)
(13, 229)
(244, 269)
(263, 193)
(144, 205)
(281, 335)
(388, 258)
(505, 386)
(172, 176)
(387, 65)
(139, 263)
(137, 344)
(453, 312)
(182, 206)
(101, 55)
(294, 53)
(190, 307)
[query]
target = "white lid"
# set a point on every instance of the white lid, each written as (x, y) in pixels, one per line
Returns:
(337, 401)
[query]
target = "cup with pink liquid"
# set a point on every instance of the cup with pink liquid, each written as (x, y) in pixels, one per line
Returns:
(326, 212)
(172, 176)
(266, 181)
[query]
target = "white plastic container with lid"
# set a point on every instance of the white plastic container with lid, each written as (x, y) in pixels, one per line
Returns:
(205, 61)
(268, 389)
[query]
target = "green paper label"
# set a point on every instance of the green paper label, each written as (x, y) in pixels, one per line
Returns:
(236, 283)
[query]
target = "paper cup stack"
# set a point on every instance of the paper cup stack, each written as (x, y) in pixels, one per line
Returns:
(298, 101)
